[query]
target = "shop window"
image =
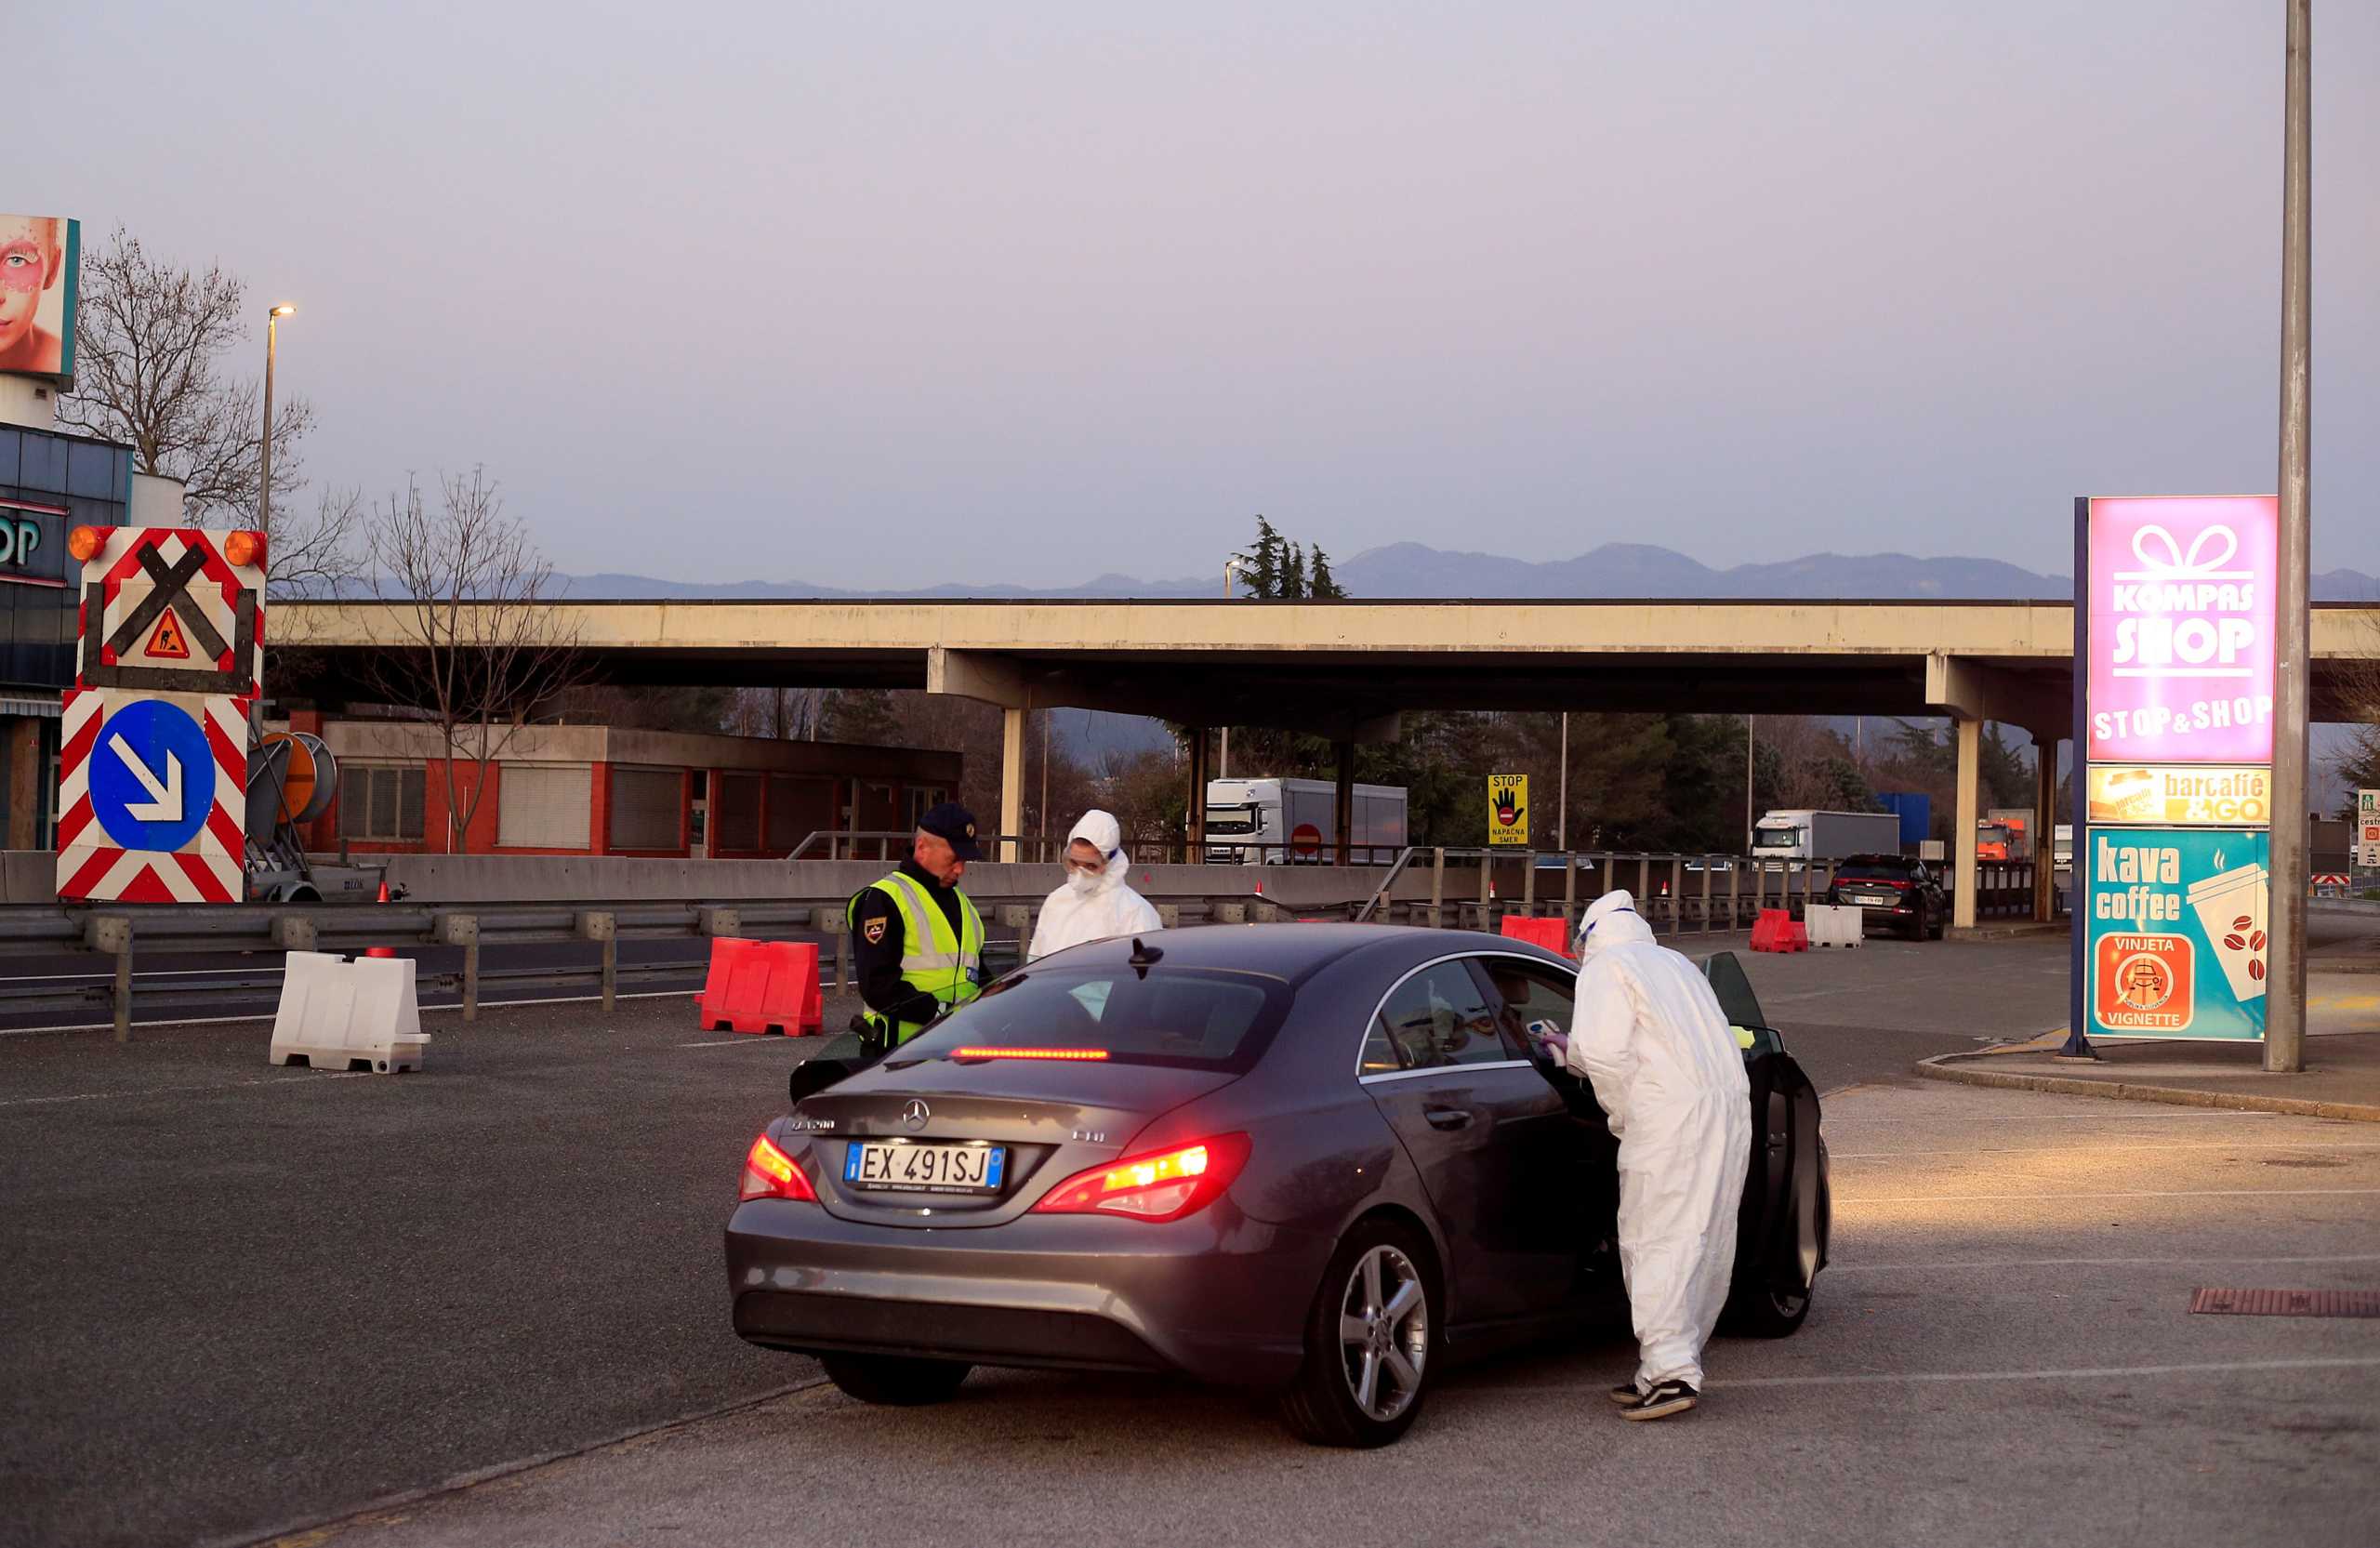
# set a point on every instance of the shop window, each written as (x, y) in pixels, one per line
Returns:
(544, 805)
(381, 803)
(736, 814)
(647, 809)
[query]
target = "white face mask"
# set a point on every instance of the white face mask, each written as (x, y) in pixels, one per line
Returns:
(1084, 885)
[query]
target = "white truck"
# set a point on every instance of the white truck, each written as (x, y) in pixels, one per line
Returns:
(1272, 822)
(1794, 839)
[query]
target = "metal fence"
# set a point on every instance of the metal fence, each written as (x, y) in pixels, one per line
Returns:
(1465, 889)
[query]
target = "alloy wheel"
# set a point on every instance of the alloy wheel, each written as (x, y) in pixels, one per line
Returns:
(1384, 1332)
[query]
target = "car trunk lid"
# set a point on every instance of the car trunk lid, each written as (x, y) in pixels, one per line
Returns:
(1047, 1120)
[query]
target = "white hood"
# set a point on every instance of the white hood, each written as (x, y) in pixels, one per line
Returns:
(1070, 917)
(1610, 920)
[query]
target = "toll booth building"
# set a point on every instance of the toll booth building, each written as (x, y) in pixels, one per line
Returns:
(593, 789)
(49, 484)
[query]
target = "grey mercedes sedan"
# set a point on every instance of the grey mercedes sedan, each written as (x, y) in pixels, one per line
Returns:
(1316, 1159)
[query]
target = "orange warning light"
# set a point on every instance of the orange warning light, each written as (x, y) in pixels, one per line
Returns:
(85, 543)
(244, 547)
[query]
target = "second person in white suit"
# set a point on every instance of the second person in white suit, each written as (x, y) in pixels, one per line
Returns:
(1094, 903)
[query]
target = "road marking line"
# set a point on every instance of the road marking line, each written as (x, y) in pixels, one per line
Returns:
(163, 1090)
(2080, 1150)
(1966, 1264)
(2084, 1373)
(2054, 1194)
(166, 1022)
(749, 1040)
(1932, 1378)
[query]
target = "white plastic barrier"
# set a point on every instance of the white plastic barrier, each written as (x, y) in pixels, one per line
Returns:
(1834, 925)
(335, 1012)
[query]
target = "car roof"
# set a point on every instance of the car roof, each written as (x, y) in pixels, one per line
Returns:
(1876, 860)
(1295, 951)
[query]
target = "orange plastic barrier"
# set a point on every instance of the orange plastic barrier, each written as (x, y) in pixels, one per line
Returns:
(762, 986)
(1777, 930)
(1552, 934)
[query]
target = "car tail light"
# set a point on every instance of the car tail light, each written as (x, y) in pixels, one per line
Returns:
(770, 1174)
(1158, 1185)
(1071, 1055)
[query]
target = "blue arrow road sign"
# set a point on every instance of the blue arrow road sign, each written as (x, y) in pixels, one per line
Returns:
(153, 777)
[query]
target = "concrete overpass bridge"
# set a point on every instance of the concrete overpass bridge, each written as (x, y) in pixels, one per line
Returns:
(1345, 670)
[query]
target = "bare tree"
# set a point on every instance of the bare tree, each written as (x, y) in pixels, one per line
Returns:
(149, 338)
(478, 644)
(782, 714)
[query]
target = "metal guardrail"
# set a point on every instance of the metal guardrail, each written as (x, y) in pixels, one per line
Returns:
(1675, 894)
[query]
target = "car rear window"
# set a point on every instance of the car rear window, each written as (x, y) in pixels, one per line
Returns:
(1872, 871)
(1190, 1018)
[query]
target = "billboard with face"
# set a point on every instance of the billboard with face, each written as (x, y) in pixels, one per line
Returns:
(37, 275)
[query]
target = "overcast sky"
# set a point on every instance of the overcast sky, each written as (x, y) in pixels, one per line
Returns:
(917, 293)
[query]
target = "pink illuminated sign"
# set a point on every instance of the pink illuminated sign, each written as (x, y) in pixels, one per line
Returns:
(2181, 628)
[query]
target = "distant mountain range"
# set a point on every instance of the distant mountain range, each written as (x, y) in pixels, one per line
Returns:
(1614, 570)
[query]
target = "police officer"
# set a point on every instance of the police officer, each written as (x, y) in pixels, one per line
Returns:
(917, 937)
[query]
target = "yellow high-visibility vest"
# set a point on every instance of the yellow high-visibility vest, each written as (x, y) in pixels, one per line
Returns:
(935, 958)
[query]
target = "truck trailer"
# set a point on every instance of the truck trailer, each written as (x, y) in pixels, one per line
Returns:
(1799, 836)
(1272, 822)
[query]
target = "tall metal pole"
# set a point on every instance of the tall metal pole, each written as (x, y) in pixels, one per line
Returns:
(1752, 821)
(264, 458)
(2285, 986)
(1222, 757)
(1562, 799)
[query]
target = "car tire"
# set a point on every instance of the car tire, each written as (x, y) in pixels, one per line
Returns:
(1366, 1374)
(1920, 927)
(1758, 1312)
(895, 1381)
(1941, 923)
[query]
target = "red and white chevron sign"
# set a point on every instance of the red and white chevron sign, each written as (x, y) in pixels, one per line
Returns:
(165, 609)
(149, 786)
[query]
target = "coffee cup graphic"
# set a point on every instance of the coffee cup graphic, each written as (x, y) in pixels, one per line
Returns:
(2230, 908)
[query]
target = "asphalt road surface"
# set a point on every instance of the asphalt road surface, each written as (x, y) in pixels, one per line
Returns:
(2002, 1352)
(243, 1299)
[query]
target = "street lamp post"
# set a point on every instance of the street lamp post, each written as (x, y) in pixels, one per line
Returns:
(1223, 754)
(2285, 998)
(264, 458)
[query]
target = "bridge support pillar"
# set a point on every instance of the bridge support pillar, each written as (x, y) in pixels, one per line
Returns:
(1970, 777)
(1345, 753)
(1012, 780)
(2044, 826)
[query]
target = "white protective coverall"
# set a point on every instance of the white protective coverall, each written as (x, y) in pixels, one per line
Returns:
(1648, 1035)
(1092, 907)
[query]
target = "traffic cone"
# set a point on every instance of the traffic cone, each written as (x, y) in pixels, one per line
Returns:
(382, 950)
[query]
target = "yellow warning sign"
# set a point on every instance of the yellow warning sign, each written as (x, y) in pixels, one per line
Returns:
(1508, 810)
(167, 640)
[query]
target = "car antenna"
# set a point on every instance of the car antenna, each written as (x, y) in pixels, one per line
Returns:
(1144, 956)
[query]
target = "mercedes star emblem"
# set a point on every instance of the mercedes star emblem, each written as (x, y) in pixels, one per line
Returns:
(916, 1114)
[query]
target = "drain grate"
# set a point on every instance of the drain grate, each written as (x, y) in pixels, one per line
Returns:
(2287, 1302)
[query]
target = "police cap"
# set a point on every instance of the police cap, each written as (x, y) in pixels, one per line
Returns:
(956, 826)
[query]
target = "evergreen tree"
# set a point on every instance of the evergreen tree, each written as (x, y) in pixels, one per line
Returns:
(1319, 581)
(1292, 573)
(863, 716)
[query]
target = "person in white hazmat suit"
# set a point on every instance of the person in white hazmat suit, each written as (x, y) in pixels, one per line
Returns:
(1649, 1037)
(1094, 903)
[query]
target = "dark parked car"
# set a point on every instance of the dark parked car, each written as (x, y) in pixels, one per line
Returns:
(1906, 894)
(1317, 1159)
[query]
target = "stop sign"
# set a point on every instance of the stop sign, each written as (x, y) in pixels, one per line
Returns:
(1305, 841)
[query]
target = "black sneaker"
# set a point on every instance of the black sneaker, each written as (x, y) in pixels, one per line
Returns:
(1665, 1399)
(1626, 1395)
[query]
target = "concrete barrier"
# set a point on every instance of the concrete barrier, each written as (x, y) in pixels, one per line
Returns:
(335, 1013)
(1835, 924)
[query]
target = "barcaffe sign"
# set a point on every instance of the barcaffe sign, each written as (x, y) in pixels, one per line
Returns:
(2180, 628)
(2189, 795)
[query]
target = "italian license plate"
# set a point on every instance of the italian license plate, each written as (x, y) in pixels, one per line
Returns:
(1873, 900)
(925, 1168)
